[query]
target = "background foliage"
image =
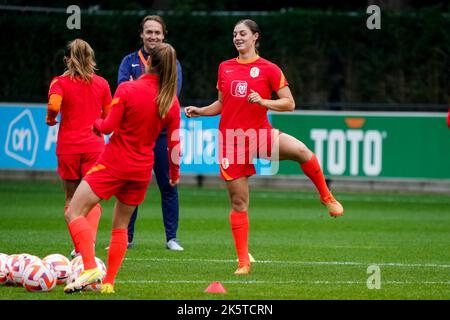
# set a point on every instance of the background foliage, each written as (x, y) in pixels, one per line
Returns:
(327, 56)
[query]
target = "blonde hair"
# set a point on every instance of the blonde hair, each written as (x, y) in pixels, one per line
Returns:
(164, 63)
(80, 60)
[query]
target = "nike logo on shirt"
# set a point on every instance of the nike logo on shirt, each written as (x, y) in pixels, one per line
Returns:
(134, 65)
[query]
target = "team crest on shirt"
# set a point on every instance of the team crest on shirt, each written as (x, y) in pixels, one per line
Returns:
(225, 163)
(239, 88)
(254, 72)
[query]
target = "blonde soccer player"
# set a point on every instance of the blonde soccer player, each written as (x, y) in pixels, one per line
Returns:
(140, 109)
(81, 97)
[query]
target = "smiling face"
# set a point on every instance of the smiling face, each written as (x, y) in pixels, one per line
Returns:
(243, 38)
(152, 34)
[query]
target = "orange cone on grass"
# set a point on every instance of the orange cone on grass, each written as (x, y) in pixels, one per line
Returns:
(215, 287)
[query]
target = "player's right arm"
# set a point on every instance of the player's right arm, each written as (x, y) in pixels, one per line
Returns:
(112, 121)
(213, 109)
(124, 70)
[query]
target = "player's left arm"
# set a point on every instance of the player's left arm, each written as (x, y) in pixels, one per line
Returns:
(285, 101)
(280, 85)
(53, 108)
(55, 97)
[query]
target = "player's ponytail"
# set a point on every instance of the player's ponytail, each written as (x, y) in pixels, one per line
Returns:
(80, 60)
(164, 63)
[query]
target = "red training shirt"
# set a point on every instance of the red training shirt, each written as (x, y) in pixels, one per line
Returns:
(136, 123)
(236, 78)
(82, 103)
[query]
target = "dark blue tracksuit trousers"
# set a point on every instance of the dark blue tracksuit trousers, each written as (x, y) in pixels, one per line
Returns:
(169, 195)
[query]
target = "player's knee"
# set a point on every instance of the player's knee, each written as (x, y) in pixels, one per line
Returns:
(72, 214)
(303, 154)
(121, 223)
(239, 203)
(69, 215)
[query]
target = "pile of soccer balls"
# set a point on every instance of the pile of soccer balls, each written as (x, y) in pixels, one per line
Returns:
(42, 275)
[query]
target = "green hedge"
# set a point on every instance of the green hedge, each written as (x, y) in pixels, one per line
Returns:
(326, 56)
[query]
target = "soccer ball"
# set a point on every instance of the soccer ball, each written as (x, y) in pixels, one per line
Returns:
(75, 262)
(39, 277)
(3, 269)
(75, 273)
(101, 265)
(10, 260)
(78, 268)
(18, 267)
(60, 265)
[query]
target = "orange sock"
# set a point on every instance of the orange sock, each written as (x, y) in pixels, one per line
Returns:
(73, 240)
(313, 171)
(116, 253)
(239, 227)
(93, 217)
(81, 233)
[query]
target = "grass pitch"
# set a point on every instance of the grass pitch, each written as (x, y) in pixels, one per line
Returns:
(301, 252)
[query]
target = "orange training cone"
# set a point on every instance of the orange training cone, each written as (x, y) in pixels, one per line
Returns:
(215, 287)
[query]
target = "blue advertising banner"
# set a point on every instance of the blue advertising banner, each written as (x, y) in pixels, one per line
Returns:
(30, 144)
(199, 147)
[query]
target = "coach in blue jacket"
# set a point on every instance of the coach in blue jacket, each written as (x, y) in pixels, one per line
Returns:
(153, 31)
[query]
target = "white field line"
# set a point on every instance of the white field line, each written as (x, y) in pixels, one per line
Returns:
(317, 282)
(380, 264)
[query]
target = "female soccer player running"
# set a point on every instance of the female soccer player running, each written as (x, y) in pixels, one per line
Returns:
(82, 97)
(245, 85)
(140, 109)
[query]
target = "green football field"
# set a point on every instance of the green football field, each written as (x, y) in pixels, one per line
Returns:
(300, 252)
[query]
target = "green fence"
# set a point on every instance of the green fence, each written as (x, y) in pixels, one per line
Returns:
(326, 56)
(372, 145)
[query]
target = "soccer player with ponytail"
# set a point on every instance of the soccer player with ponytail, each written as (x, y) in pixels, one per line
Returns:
(245, 86)
(81, 97)
(153, 32)
(139, 111)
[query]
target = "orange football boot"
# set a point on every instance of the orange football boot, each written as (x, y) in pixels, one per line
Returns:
(243, 269)
(335, 209)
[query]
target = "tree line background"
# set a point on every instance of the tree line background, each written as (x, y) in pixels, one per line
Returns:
(327, 53)
(235, 5)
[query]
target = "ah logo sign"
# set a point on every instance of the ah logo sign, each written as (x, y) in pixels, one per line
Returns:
(22, 139)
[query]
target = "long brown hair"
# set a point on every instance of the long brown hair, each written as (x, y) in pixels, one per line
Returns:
(254, 28)
(80, 60)
(164, 63)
